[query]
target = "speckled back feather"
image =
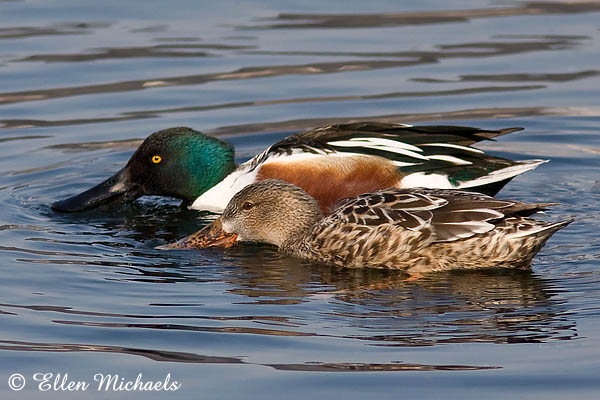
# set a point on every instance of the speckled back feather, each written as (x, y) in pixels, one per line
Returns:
(420, 230)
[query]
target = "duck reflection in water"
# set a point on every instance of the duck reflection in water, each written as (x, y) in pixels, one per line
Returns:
(493, 305)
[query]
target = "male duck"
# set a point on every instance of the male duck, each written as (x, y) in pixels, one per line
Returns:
(413, 230)
(330, 163)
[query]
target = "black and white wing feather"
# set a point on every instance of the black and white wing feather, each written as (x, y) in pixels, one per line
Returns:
(446, 215)
(423, 147)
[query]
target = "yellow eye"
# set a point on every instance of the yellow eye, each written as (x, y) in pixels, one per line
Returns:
(156, 159)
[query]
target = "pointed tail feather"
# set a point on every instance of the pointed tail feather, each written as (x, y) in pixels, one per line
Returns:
(491, 135)
(503, 174)
(544, 231)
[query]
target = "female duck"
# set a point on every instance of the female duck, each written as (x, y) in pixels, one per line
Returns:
(414, 230)
(352, 159)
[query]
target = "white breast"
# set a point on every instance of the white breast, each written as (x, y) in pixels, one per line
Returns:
(217, 197)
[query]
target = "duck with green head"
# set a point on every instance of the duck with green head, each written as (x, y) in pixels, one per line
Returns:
(176, 162)
(330, 163)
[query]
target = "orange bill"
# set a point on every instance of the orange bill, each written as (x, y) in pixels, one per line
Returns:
(211, 235)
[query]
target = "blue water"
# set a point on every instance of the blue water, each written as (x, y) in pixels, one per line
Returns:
(81, 83)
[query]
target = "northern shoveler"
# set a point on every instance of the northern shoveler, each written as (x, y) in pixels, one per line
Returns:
(330, 163)
(413, 230)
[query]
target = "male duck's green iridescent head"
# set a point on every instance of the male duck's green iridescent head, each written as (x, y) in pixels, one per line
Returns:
(175, 162)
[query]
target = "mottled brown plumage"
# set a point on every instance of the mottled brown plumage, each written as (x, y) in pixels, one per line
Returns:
(413, 230)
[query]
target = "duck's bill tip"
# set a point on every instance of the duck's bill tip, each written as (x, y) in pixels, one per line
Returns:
(178, 245)
(84, 202)
(117, 188)
(211, 235)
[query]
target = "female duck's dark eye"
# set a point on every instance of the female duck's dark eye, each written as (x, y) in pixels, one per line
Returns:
(247, 205)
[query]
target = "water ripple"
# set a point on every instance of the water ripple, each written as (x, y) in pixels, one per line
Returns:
(312, 21)
(181, 357)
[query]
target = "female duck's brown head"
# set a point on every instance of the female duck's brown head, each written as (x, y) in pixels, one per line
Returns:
(270, 211)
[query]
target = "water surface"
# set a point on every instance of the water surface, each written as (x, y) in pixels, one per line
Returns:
(82, 85)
